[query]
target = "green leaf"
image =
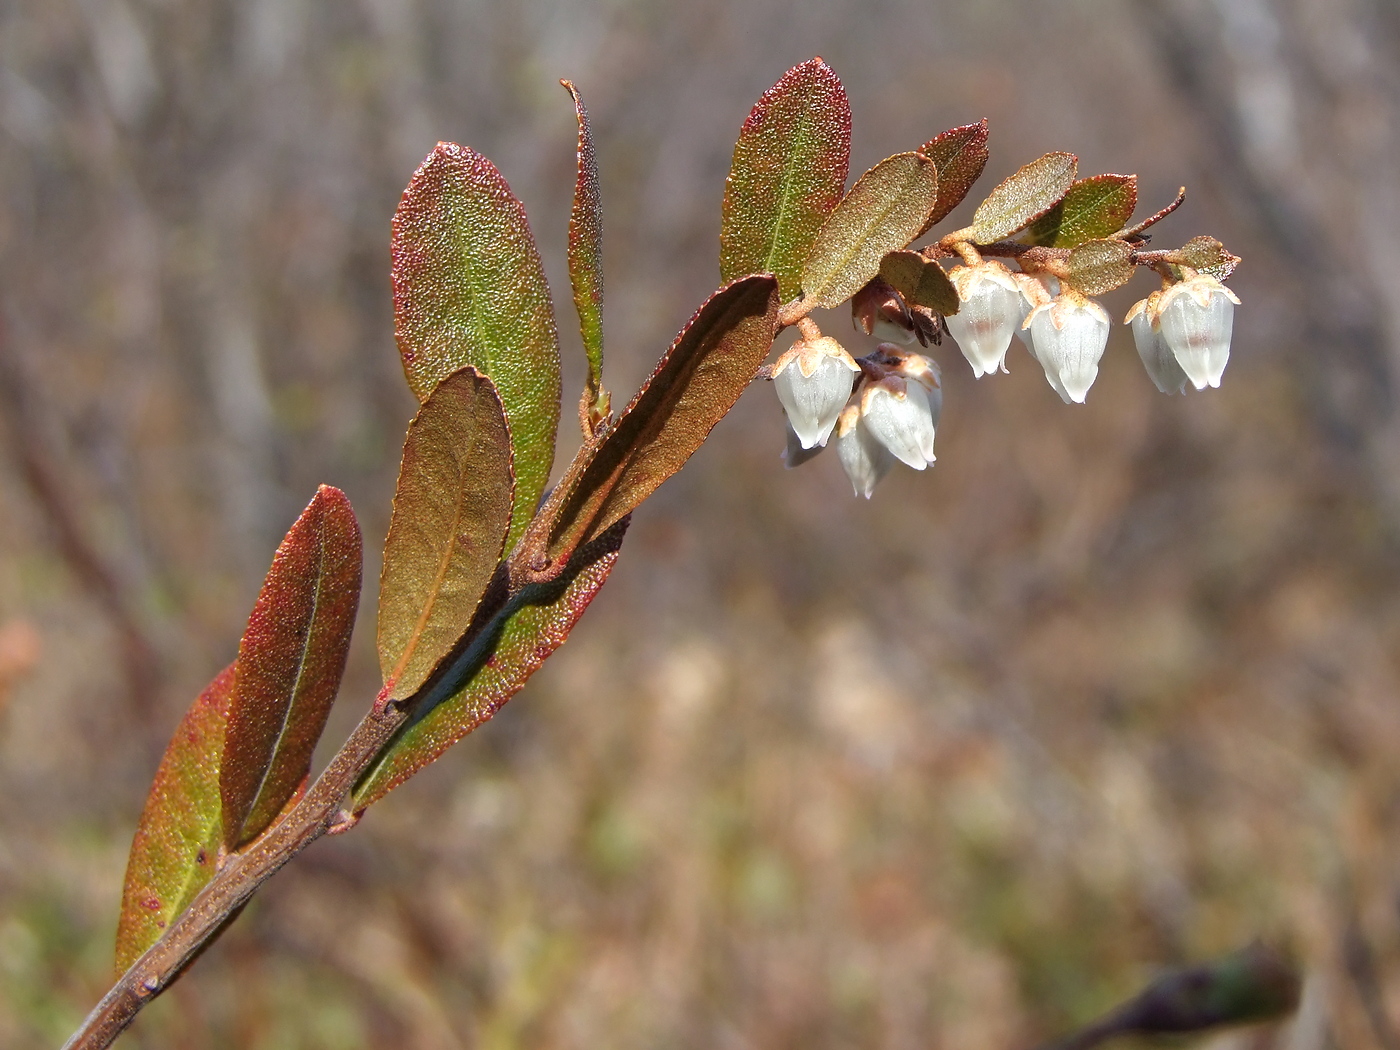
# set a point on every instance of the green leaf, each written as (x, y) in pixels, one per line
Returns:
(586, 263)
(448, 532)
(1023, 197)
(788, 172)
(1096, 267)
(289, 665)
(469, 290)
(1207, 255)
(921, 282)
(1092, 208)
(176, 847)
(960, 155)
(885, 210)
(714, 358)
(493, 667)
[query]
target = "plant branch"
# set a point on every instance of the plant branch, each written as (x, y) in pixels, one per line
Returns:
(318, 813)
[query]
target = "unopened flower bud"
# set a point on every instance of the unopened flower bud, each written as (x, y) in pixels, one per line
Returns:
(897, 414)
(1157, 357)
(863, 458)
(1070, 335)
(989, 310)
(1196, 317)
(813, 381)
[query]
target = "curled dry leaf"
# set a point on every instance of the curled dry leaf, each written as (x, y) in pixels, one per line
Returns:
(452, 510)
(469, 289)
(1023, 197)
(289, 666)
(788, 173)
(586, 263)
(883, 212)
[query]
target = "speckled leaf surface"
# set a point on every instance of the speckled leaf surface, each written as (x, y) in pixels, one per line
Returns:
(451, 513)
(586, 253)
(1092, 208)
(716, 355)
(469, 290)
(788, 173)
(1096, 267)
(960, 155)
(494, 667)
(920, 281)
(885, 210)
(1024, 196)
(289, 666)
(1207, 255)
(177, 842)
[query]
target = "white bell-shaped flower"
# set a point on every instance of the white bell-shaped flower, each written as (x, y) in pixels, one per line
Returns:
(863, 458)
(1037, 291)
(897, 414)
(1157, 357)
(917, 368)
(1196, 317)
(813, 381)
(988, 313)
(1070, 334)
(794, 455)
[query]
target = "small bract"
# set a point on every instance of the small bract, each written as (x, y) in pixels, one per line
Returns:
(1070, 334)
(863, 458)
(1157, 357)
(813, 381)
(1197, 316)
(989, 314)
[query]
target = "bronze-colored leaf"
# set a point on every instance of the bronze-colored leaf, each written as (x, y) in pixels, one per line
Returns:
(920, 281)
(586, 262)
(494, 666)
(884, 211)
(176, 847)
(469, 290)
(696, 383)
(1100, 266)
(289, 665)
(451, 513)
(788, 172)
(1023, 197)
(1207, 255)
(960, 154)
(1093, 208)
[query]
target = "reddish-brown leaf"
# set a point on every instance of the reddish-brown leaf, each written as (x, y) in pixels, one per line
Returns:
(289, 666)
(586, 258)
(696, 383)
(176, 847)
(451, 513)
(788, 172)
(960, 155)
(469, 289)
(494, 667)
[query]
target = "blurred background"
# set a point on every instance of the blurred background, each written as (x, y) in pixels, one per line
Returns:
(1111, 688)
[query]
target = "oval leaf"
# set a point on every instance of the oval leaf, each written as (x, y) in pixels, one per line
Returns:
(1024, 197)
(176, 847)
(1100, 266)
(788, 172)
(920, 281)
(469, 290)
(494, 667)
(885, 210)
(289, 665)
(451, 512)
(586, 262)
(1092, 208)
(1207, 255)
(714, 358)
(960, 155)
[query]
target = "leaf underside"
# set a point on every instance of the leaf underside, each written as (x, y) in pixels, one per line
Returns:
(469, 289)
(176, 846)
(452, 511)
(586, 254)
(788, 173)
(289, 665)
(960, 155)
(713, 359)
(495, 665)
(1099, 266)
(1207, 255)
(1024, 196)
(921, 281)
(883, 212)
(1093, 208)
